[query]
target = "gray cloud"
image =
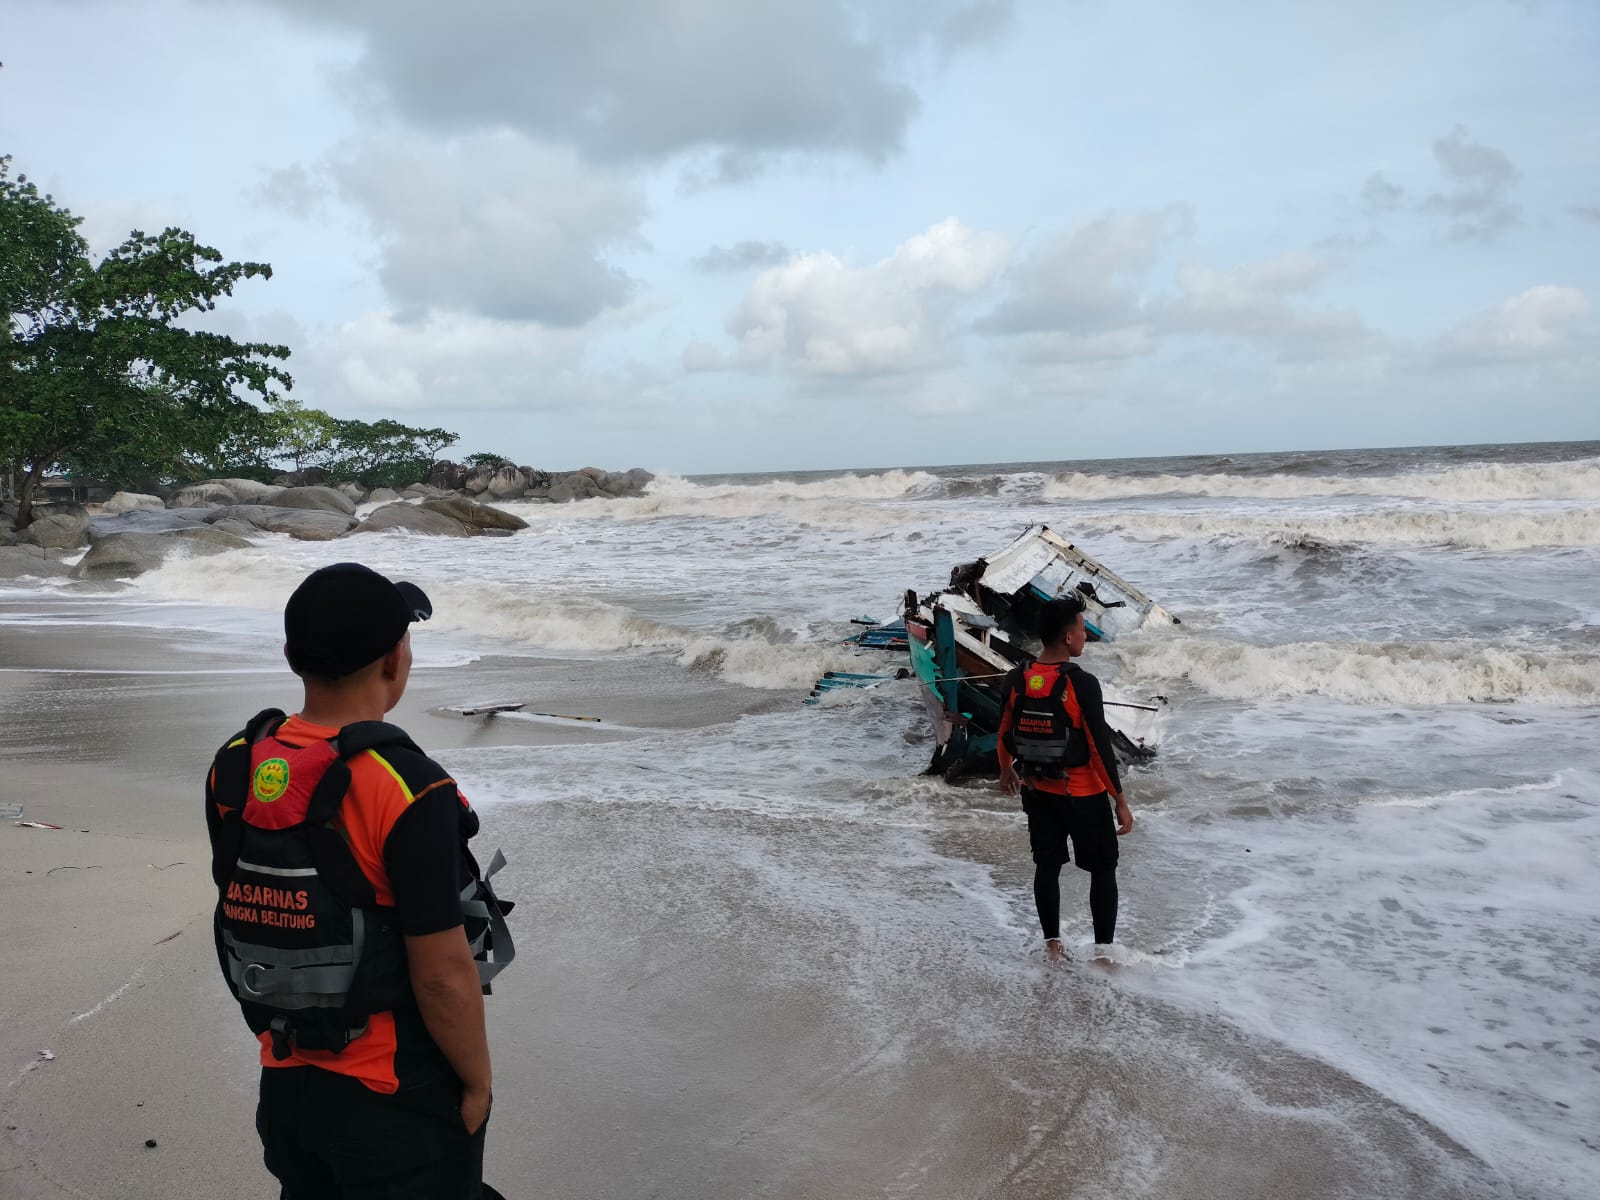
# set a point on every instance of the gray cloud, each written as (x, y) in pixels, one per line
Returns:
(648, 79)
(1085, 297)
(977, 24)
(741, 256)
(493, 225)
(1481, 178)
(1351, 243)
(1583, 212)
(293, 189)
(1380, 195)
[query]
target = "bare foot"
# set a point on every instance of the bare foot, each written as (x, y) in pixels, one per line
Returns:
(1056, 952)
(1100, 956)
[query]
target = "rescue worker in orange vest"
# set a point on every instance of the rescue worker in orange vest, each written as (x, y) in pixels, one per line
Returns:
(352, 918)
(1055, 751)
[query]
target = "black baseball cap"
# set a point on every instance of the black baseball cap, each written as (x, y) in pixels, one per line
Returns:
(344, 616)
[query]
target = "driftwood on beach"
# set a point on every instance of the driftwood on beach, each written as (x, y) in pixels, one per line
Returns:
(132, 532)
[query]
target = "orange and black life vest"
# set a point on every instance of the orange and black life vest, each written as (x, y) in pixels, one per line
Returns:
(303, 944)
(1048, 736)
(1047, 739)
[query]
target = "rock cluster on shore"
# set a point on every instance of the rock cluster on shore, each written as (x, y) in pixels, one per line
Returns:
(131, 532)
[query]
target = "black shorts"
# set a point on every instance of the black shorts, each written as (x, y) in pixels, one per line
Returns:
(330, 1137)
(1087, 820)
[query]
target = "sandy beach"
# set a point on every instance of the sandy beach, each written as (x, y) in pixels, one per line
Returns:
(707, 1002)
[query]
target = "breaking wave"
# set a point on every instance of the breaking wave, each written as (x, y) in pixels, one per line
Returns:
(755, 654)
(841, 501)
(579, 624)
(1464, 529)
(1404, 673)
(1578, 480)
(855, 500)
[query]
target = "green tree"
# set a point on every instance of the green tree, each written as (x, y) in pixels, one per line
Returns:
(304, 437)
(385, 453)
(95, 369)
(485, 459)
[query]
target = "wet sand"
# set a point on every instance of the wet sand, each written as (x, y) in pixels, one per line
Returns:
(706, 1003)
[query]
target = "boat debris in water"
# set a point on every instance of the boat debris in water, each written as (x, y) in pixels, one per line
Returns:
(965, 640)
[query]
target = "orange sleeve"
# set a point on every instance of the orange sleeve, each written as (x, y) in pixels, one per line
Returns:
(374, 803)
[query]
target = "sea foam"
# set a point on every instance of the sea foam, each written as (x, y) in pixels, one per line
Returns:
(1405, 673)
(1469, 529)
(1578, 480)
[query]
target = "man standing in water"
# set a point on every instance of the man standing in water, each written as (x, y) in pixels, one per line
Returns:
(351, 912)
(1055, 750)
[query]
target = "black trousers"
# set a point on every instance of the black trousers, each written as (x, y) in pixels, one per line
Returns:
(330, 1137)
(1087, 822)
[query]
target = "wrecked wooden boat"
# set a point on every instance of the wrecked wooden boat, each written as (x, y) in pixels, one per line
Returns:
(965, 640)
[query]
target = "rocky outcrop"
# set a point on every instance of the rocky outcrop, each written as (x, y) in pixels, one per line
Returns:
(141, 520)
(235, 527)
(299, 505)
(308, 525)
(309, 477)
(131, 501)
(201, 495)
(507, 483)
(591, 483)
(447, 476)
(476, 517)
(35, 561)
(58, 530)
(576, 486)
(412, 517)
(319, 499)
(224, 491)
(121, 555)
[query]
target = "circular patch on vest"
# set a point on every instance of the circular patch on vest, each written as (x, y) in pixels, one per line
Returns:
(1035, 683)
(271, 780)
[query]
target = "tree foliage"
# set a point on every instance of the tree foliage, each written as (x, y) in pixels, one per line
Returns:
(385, 453)
(302, 437)
(96, 371)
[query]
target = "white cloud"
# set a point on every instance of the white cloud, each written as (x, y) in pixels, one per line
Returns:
(1544, 322)
(1254, 301)
(819, 315)
(378, 363)
(494, 225)
(1091, 279)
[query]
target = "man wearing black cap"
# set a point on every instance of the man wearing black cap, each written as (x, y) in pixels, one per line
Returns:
(376, 1080)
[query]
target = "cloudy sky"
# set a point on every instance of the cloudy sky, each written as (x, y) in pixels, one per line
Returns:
(723, 235)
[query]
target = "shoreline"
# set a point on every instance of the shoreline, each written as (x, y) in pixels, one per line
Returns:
(719, 1003)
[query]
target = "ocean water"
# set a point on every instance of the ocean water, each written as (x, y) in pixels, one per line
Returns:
(1371, 837)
